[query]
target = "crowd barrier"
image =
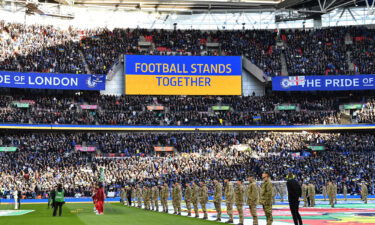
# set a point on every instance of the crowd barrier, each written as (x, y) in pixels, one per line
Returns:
(189, 128)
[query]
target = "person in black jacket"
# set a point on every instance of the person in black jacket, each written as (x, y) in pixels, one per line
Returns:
(19, 199)
(129, 195)
(294, 193)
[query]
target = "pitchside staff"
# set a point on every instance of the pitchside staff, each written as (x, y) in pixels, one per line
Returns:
(58, 199)
(17, 199)
(129, 194)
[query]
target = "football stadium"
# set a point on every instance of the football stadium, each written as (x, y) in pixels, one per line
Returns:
(171, 112)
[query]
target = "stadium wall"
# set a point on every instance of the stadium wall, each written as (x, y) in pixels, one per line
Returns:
(115, 86)
(251, 84)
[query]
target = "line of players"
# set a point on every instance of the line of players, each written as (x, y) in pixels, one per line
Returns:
(197, 193)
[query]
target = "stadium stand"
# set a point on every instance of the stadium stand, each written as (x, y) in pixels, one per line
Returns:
(68, 108)
(342, 50)
(87, 104)
(48, 158)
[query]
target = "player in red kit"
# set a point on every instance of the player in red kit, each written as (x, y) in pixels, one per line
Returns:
(99, 199)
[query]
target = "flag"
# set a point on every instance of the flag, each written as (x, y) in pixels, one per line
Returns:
(297, 80)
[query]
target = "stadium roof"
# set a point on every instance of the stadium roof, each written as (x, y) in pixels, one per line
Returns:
(198, 6)
(175, 5)
(317, 6)
(286, 10)
(282, 10)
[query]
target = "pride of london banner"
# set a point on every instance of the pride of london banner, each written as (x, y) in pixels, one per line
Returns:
(324, 83)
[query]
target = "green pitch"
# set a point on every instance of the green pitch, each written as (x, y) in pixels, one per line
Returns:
(82, 214)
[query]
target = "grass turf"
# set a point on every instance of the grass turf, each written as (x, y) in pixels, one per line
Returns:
(82, 214)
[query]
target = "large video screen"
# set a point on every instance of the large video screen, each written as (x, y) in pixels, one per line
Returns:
(182, 75)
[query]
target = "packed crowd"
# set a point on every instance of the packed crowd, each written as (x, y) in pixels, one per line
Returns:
(40, 48)
(47, 49)
(367, 114)
(68, 108)
(43, 160)
(303, 47)
(338, 49)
